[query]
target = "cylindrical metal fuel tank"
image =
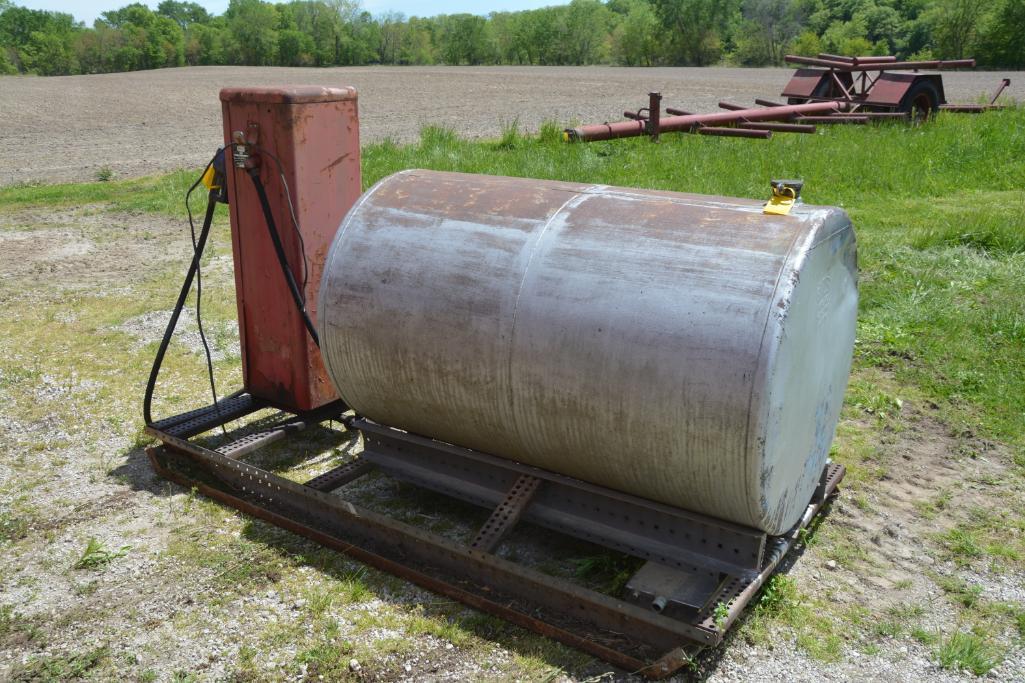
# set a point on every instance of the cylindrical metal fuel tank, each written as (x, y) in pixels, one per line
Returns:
(686, 349)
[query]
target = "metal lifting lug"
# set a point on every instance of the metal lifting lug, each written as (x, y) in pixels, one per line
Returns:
(785, 195)
(787, 188)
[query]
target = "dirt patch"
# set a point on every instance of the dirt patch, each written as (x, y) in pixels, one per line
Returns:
(82, 249)
(148, 121)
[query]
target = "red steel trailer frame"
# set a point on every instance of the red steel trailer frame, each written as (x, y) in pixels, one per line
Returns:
(879, 84)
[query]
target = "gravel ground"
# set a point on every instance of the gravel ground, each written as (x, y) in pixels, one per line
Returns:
(68, 128)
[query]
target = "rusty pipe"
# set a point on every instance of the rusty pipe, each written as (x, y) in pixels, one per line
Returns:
(857, 59)
(779, 127)
(999, 91)
(734, 132)
(833, 119)
(678, 112)
(879, 66)
(686, 124)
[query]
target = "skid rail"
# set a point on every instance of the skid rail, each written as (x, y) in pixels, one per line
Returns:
(682, 600)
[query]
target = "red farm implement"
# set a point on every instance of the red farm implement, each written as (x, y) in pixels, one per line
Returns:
(827, 89)
(874, 85)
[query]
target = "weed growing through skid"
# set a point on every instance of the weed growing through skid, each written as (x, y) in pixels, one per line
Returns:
(721, 614)
(606, 572)
(96, 555)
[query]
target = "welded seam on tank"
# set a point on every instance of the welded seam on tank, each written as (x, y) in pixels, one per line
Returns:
(322, 320)
(619, 193)
(578, 198)
(752, 494)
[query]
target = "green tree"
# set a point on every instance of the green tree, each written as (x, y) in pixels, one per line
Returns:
(955, 27)
(253, 28)
(151, 40)
(324, 25)
(6, 65)
(1002, 36)
(295, 48)
(183, 13)
(464, 39)
(807, 44)
(49, 54)
(95, 49)
(635, 40)
(696, 28)
(769, 26)
(205, 44)
(393, 34)
(585, 30)
(418, 45)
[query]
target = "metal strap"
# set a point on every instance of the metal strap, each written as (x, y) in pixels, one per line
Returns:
(507, 514)
(340, 476)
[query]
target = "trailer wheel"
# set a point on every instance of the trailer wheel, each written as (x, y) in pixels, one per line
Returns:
(921, 101)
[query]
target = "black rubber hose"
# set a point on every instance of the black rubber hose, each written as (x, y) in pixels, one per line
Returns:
(197, 255)
(272, 228)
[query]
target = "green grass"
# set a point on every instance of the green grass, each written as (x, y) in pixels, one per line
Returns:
(69, 667)
(968, 651)
(96, 556)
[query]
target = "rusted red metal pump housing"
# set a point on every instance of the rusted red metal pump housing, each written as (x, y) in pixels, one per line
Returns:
(314, 133)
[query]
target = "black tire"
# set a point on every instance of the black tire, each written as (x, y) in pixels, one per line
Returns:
(921, 101)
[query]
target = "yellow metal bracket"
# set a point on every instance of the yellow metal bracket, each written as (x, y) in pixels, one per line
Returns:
(785, 194)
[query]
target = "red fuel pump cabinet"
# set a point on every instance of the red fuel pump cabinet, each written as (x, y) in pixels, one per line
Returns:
(314, 132)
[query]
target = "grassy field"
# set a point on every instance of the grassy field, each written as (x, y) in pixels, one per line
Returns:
(931, 518)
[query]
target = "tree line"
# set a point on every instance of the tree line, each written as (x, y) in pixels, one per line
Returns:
(624, 32)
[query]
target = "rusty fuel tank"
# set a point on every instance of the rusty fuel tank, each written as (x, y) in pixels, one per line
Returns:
(687, 349)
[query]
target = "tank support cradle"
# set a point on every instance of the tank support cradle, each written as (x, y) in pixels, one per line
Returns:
(700, 575)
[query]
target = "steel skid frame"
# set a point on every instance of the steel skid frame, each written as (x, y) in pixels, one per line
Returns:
(699, 576)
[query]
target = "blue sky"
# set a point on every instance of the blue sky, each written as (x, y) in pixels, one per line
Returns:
(88, 10)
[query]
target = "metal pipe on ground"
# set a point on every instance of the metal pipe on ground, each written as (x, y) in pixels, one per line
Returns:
(691, 123)
(834, 119)
(779, 127)
(724, 132)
